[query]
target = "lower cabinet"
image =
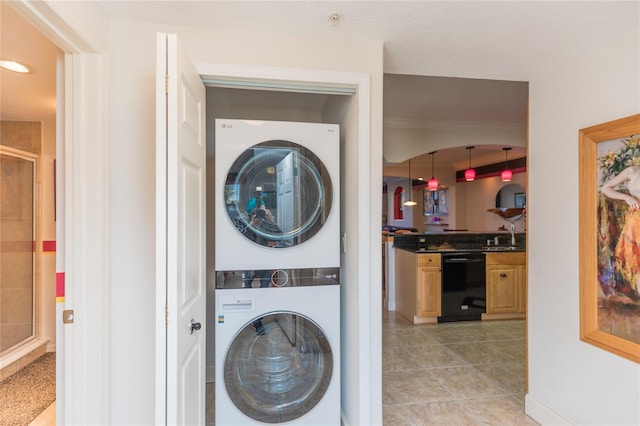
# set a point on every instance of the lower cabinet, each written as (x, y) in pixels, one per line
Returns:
(522, 274)
(429, 286)
(418, 286)
(506, 283)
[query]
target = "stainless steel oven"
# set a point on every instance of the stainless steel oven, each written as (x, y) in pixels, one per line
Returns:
(463, 286)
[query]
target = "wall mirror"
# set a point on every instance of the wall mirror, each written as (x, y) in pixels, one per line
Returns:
(510, 196)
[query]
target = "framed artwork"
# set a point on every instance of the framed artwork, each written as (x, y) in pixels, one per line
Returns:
(609, 191)
(436, 203)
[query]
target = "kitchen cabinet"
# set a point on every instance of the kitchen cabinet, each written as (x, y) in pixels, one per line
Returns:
(429, 285)
(506, 275)
(522, 276)
(418, 286)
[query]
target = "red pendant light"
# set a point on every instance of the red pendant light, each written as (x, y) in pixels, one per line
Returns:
(470, 174)
(433, 182)
(506, 173)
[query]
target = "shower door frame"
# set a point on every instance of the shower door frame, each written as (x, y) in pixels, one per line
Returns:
(35, 270)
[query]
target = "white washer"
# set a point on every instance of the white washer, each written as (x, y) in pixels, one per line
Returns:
(286, 372)
(293, 170)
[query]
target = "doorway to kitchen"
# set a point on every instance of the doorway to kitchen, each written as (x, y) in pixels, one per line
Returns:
(445, 116)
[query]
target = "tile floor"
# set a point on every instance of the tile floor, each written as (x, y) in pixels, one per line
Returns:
(462, 373)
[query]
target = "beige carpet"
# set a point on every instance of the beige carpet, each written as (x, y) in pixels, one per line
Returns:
(28, 392)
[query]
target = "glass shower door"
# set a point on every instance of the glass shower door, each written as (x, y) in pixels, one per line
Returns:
(17, 248)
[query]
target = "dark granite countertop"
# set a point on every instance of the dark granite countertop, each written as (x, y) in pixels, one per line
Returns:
(460, 242)
(466, 250)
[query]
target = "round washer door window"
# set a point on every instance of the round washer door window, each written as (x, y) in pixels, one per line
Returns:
(278, 194)
(278, 367)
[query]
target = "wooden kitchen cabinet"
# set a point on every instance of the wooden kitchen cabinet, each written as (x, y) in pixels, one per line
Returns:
(418, 286)
(522, 276)
(506, 284)
(429, 285)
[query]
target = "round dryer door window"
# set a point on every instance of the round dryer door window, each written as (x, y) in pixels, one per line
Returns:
(278, 367)
(278, 194)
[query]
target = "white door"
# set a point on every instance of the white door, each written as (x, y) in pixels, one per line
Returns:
(180, 237)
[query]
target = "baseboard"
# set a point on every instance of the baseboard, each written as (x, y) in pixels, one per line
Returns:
(51, 347)
(541, 413)
(211, 375)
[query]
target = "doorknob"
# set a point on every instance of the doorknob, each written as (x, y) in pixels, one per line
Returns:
(194, 325)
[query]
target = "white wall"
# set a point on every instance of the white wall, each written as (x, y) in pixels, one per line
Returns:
(480, 195)
(47, 291)
(132, 50)
(468, 204)
(404, 140)
(578, 382)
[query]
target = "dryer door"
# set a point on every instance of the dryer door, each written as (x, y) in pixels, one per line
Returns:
(278, 367)
(278, 194)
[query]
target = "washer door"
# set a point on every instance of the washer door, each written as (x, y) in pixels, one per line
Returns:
(278, 367)
(278, 194)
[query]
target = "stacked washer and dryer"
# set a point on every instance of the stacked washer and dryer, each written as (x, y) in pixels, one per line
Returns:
(277, 261)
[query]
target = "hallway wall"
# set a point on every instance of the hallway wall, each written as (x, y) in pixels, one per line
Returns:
(581, 383)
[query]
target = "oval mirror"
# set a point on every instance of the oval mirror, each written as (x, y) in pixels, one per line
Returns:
(510, 196)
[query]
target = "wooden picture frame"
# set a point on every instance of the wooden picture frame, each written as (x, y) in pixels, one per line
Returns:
(435, 203)
(609, 154)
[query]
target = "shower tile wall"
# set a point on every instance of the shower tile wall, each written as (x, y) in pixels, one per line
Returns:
(23, 135)
(17, 233)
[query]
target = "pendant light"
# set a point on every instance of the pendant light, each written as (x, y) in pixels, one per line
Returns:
(433, 182)
(506, 173)
(470, 174)
(410, 201)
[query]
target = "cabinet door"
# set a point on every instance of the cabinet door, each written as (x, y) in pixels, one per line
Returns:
(429, 292)
(522, 286)
(502, 289)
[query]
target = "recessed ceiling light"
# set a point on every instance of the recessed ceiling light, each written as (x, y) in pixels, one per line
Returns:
(15, 66)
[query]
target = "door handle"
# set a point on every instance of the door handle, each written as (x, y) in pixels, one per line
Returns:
(194, 325)
(502, 275)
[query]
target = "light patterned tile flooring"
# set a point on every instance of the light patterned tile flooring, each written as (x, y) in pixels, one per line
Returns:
(462, 373)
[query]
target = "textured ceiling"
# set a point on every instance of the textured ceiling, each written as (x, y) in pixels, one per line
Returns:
(502, 40)
(492, 48)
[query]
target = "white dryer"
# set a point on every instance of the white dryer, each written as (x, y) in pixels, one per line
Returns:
(278, 355)
(291, 171)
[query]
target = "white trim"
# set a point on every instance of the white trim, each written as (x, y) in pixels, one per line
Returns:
(83, 221)
(86, 241)
(278, 87)
(56, 21)
(369, 409)
(541, 413)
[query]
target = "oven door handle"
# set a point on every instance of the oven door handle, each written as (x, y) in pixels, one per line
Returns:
(462, 260)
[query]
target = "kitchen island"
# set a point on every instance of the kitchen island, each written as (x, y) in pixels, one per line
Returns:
(418, 280)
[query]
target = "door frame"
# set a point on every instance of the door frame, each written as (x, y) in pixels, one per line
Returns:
(360, 357)
(82, 229)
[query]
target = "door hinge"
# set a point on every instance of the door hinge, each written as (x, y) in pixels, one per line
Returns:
(166, 314)
(166, 83)
(68, 316)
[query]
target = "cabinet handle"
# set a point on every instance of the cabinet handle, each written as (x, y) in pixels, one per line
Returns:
(503, 275)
